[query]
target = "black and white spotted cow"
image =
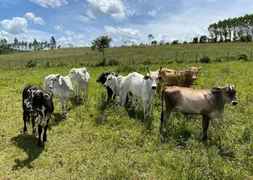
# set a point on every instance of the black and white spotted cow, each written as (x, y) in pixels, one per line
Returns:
(38, 106)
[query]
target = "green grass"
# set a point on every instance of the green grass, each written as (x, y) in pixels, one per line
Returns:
(102, 140)
(166, 53)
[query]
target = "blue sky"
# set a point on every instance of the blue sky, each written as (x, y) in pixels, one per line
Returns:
(78, 22)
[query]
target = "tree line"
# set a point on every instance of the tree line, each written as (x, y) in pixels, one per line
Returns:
(35, 45)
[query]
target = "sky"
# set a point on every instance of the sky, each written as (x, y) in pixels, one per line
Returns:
(78, 22)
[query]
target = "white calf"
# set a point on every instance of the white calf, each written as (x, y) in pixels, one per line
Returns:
(81, 79)
(117, 86)
(143, 87)
(62, 87)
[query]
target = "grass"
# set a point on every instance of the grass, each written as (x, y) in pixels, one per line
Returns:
(102, 140)
(166, 53)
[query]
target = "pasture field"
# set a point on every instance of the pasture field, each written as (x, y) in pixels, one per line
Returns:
(160, 53)
(102, 140)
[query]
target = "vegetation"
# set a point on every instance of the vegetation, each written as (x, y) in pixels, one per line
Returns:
(102, 140)
(101, 44)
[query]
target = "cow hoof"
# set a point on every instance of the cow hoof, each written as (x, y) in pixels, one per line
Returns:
(204, 139)
(63, 115)
(40, 144)
(44, 139)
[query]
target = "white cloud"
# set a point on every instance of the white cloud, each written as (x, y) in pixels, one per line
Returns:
(16, 25)
(52, 3)
(70, 33)
(90, 14)
(115, 8)
(76, 40)
(58, 28)
(84, 19)
(152, 13)
(34, 18)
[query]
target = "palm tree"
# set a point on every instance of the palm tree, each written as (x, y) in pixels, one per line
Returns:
(150, 36)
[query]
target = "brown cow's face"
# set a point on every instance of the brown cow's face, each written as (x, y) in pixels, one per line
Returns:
(194, 70)
(229, 94)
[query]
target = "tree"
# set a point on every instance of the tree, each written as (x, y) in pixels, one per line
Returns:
(154, 42)
(100, 44)
(15, 44)
(52, 43)
(203, 39)
(150, 36)
(35, 45)
(195, 40)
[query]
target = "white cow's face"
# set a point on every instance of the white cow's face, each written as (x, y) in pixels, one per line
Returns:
(152, 78)
(55, 82)
(110, 80)
(72, 73)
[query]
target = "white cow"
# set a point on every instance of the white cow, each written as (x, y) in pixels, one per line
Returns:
(48, 82)
(142, 87)
(117, 86)
(81, 79)
(62, 87)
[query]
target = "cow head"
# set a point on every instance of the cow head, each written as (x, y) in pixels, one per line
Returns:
(102, 78)
(152, 78)
(55, 81)
(72, 73)
(194, 71)
(110, 81)
(229, 94)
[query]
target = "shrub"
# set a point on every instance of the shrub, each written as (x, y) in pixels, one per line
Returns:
(218, 59)
(31, 63)
(243, 56)
(205, 59)
(113, 62)
(175, 42)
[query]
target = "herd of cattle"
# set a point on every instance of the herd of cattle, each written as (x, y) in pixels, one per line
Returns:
(177, 94)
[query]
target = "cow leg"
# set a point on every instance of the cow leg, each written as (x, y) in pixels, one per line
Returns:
(39, 131)
(164, 119)
(205, 124)
(45, 130)
(33, 124)
(109, 93)
(78, 93)
(133, 100)
(63, 112)
(146, 109)
(25, 116)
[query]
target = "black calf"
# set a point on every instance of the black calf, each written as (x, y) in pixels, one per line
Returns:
(102, 79)
(37, 104)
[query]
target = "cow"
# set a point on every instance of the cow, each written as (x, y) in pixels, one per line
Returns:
(182, 78)
(81, 79)
(47, 81)
(143, 87)
(102, 78)
(38, 105)
(117, 86)
(206, 102)
(62, 87)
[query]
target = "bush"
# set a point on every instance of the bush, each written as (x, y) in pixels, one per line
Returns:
(218, 59)
(243, 56)
(205, 59)
(113, 62)
(31, 63)
(175, 42)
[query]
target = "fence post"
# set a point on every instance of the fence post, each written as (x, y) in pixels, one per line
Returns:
(228, 56)
(21, 63)
(204, 54)
(176, 56)
(251, 55)
(9, 64)
(183, 57)
(132, 58)
(162, 58)
(75, 61)
(196, 57)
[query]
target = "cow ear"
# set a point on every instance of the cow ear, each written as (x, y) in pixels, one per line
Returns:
(199, 68)
(160, 78)
(146, 77)
(58, 76)
(160, 69)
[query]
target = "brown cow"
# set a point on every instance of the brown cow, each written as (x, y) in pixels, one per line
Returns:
(206, 102)
(182, 78)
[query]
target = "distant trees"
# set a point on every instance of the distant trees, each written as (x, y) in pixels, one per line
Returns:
(101, 43)
(203, 39)
(52, 43)
(4, 47)
(195, 40)
(236, 29)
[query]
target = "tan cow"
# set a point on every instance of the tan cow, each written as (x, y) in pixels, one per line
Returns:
(206, 102)
(182, 78)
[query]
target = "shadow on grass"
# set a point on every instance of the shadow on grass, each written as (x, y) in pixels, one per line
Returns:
(27, 143)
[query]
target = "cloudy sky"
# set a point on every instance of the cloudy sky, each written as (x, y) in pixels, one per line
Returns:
(80, 21)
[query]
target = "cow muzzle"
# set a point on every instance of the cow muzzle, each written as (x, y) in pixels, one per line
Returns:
(153, 87)
(234, 103)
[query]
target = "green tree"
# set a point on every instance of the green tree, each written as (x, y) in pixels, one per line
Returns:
(203, 39)
(195, 40)
(35, 45)
(101, 43)
(15, 44)
(52, 43)
(150, 36)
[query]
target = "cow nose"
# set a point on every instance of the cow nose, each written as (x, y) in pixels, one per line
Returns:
(97, 80)
(194, 77)
(234, 103)
(50, 87)
(153, 87)
(105, 85)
